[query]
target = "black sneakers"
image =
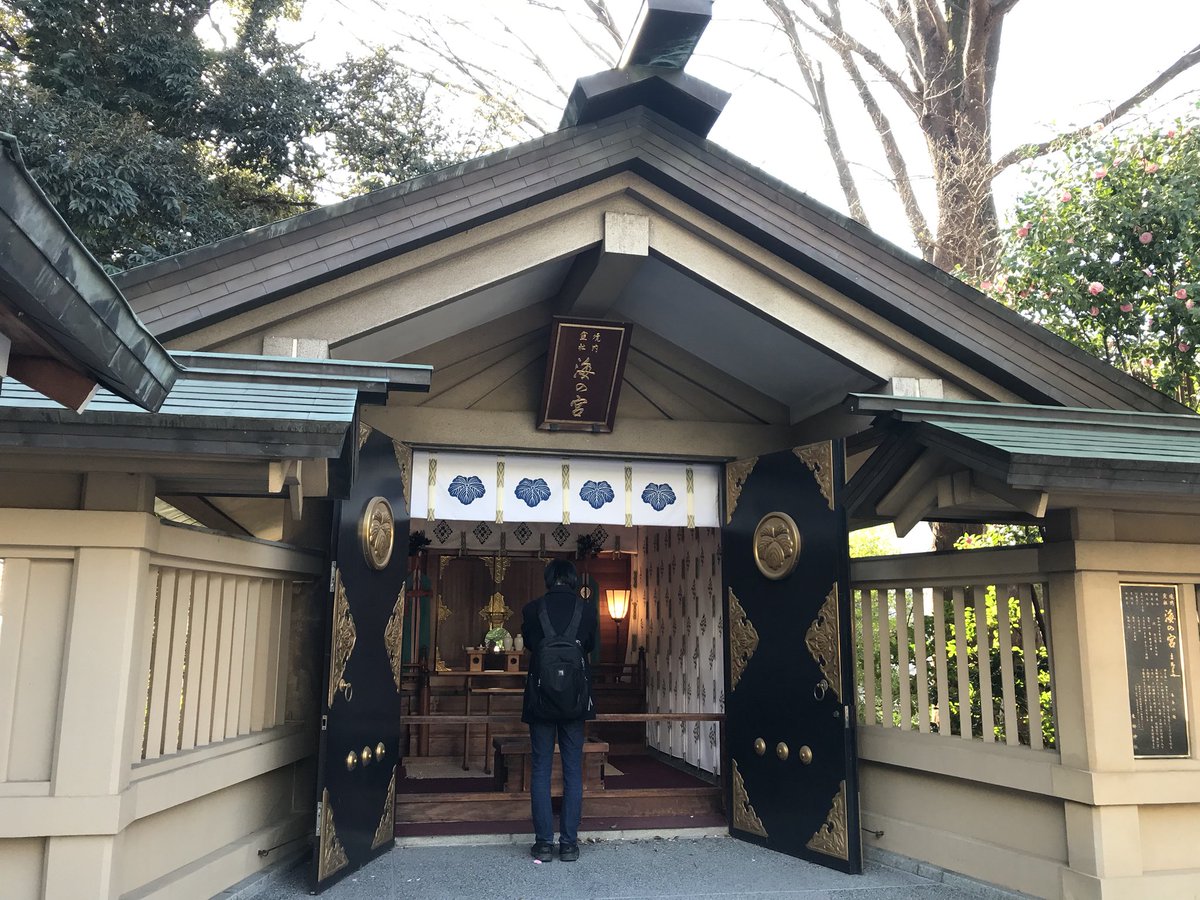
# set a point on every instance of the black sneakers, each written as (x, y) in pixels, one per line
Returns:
(543, 851)
(568, 852)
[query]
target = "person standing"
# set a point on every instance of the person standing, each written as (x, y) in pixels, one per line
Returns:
(560, 631)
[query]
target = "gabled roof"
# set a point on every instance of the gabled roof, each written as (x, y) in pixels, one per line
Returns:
(186, 292)
(1016, 452)
(57, 302)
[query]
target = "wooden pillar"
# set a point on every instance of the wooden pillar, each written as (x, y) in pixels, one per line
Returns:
(1104, 838)
(96, 727)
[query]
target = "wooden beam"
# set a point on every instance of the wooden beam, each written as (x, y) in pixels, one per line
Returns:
(599, 277)
(1032, 502)
(53, 379)
(922, 472)
(916, 508)
(205, 513)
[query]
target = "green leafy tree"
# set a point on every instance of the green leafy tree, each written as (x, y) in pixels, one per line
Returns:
(1000, 536)
(1105, 251)
(153, 131)
(147, 141)
(878, 540)
(389, 127)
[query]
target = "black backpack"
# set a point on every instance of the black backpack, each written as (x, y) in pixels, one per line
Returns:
(559, 683)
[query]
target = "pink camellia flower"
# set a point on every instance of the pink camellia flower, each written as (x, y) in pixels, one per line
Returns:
(1189, 303)
(1151, 168)
(1095, 288)
(1024, 293)
(1100, 173)
(1126, 307)
(1146, 237)
(1094, 311)
(985, 285)
(1148, 272)
(1181, 294)
(1065, 198)
(1171, 133)
(1185, 346)
(1023, 231)
(1001, 283)
(1070, 240)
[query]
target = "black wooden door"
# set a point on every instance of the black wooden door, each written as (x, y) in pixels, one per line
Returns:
(360, 728)
(792, 782)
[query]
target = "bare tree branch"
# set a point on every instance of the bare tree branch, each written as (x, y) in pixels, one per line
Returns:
(600, 10)
(483, 79)
(1032, 151)
(902, 25)
(757, 72)
(599, 13)
(917, 222)
(838, 38)
(820, 103)
(1002, 8)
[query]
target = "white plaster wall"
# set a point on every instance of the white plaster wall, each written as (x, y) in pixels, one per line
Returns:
(677, 617)
(21, 862)
(1004, 836)
(171, 842)
(76, 819)
(34, 603)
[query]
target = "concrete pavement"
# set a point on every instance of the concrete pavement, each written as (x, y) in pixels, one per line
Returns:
(712, 867)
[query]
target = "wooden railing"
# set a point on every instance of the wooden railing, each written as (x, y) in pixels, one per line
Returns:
(215, 644)
(955, 644)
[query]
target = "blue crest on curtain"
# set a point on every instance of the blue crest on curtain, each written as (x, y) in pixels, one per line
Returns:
(467, 488)
(596, 493)
(533, 491)
(659, 496)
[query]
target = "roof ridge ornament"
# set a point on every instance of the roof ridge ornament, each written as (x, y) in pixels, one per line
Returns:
(650, 72)
(665, 33)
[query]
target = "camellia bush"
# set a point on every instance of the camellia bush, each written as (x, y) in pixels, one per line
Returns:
(1104, 250)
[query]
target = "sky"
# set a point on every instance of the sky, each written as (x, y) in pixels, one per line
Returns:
(1063, 62)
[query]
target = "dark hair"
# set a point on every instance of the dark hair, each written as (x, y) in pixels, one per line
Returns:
(561, 572)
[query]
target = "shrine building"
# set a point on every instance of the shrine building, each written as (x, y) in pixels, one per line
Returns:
(270, 508)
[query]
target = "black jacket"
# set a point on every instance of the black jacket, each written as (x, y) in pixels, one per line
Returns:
(560, 606)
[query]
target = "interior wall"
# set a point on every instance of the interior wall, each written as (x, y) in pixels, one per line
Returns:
(677, 616)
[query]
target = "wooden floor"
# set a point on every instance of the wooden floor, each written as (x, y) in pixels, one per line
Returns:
(649, 794)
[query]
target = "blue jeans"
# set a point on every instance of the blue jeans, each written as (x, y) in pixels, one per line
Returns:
(570, 746)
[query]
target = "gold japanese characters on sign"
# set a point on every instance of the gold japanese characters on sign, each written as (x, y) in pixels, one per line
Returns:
(584, 370)
(378, 533)
(1158, 707)
(776, 545)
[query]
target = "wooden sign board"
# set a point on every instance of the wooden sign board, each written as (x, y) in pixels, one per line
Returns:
(584, 370)
(1154, 662)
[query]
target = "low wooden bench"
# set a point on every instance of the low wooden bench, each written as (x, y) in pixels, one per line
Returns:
(514, 766)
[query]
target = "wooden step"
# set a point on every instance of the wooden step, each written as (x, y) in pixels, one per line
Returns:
(499, 806)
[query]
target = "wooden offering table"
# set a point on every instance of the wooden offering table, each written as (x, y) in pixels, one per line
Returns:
(489, 677)
(514, 767)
